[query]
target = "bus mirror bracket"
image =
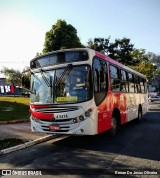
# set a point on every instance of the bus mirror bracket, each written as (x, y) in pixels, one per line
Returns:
(26, 78)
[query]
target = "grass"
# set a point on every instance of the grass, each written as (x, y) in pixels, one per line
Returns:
(14, 108)
(10, 142)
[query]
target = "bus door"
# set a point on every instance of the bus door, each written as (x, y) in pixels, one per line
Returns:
(100, 75)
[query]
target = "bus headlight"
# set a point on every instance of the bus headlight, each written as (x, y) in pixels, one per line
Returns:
(75, 120)
(81, 118)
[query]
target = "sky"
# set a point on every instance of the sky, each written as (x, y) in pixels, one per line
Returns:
(23, 24)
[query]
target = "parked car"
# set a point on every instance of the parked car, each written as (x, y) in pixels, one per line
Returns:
(154, 98)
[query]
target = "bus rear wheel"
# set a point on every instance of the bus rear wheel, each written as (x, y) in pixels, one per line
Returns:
(114, 125)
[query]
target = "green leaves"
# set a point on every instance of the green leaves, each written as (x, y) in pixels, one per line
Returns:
(13, 75)
(120, 50)
(123, 51)
(62, 35)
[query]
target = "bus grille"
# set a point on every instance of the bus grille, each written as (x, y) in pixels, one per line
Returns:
(66, 125)
(56, 109)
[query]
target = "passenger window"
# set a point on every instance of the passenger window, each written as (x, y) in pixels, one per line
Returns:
(124, 82)
(143, 85)
(115, 79)
(137, 84)
(131, 82)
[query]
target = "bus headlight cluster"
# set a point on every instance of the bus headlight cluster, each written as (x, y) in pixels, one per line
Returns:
(83, 116)
(35, 120)
(78, 119)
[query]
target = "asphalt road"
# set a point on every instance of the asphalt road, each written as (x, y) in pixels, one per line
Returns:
(135, 148)
(19, 131)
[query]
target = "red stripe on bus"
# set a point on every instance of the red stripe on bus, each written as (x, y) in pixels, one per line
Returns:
(39, 106)
(108, 59)
(41, 115)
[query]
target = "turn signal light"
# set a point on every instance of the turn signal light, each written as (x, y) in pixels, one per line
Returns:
(88, 113)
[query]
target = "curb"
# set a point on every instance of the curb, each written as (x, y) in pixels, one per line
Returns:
(14, 121)
(31, 143)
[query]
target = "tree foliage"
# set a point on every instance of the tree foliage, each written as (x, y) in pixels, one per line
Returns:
(13, 76)
(146, 68)
(120, 50)
(99, 44)
(154, 58)
(62, 35)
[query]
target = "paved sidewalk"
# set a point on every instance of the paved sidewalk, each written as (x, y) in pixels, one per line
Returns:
(19, 130)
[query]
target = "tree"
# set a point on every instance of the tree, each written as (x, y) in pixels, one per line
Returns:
(139, 55)
(123, 50)
(145, 66)
(99, 44)
(154, 58)
(120, 50)
(62, 35)
(14, 76)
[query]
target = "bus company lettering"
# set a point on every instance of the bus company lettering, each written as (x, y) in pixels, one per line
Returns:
(62, 116)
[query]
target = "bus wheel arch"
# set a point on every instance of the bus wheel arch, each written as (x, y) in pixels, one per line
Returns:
(115, 121)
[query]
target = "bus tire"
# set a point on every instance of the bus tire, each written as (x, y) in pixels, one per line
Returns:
(114, 125)
(139, 118)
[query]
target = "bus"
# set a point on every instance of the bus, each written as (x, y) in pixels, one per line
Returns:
(83, 92)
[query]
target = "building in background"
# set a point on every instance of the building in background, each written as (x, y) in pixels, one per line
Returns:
(7, 88)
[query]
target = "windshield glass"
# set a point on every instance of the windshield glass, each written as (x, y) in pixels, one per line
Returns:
(39, 87)
(68, 86)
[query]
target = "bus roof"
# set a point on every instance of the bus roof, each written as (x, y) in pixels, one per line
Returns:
(100, 55)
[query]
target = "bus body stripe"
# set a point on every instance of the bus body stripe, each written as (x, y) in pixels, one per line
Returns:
(41, 115)
(109, 59)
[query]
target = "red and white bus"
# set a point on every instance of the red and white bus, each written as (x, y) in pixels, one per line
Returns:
(83, 92)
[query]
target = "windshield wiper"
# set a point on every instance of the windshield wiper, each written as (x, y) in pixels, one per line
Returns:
(47, 81)
(64, 74)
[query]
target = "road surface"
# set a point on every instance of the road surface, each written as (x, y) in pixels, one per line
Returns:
(136, 148)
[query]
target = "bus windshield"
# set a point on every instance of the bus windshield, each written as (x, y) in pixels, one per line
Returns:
(66, 87)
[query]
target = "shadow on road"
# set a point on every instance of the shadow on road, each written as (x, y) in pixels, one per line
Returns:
(94, 152)
(136, 140)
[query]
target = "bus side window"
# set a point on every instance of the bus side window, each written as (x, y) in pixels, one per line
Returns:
(137, 84)
(143, 85)
(139, 87)
(96, 80)
(115, 79)
(131, 82)
(100, 76)
(124, 83)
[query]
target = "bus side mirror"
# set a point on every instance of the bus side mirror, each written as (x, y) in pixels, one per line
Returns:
(26, 78)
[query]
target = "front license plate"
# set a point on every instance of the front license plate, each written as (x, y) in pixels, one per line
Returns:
(54, 127)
